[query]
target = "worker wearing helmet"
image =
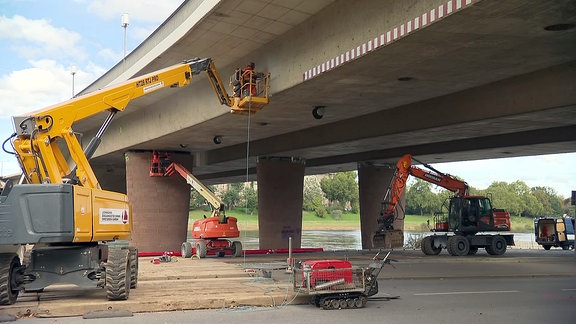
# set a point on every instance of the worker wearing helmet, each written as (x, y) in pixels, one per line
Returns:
(248, 79)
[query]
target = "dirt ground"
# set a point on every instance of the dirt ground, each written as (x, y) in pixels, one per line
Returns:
(182, 284)
(215, 283)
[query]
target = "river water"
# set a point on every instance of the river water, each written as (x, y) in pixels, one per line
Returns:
(351, 239)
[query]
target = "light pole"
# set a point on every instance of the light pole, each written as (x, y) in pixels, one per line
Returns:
(73, 70)
(125, 22)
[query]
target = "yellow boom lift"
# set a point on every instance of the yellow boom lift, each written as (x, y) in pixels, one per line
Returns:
(62, 210)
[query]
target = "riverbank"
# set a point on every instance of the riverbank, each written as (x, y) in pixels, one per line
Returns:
(348, 221)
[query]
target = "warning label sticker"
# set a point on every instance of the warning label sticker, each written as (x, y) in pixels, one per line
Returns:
(113, 216)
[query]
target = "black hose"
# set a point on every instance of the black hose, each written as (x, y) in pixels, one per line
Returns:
(6, 141)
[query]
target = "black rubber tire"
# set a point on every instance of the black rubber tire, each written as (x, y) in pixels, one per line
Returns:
(237, 249)
(428, 247)
(547, 247)
(133, 267)
(9, 264)
(458, 245)
(497, 245)
(201, 248)
(118, 274)
(186, 250)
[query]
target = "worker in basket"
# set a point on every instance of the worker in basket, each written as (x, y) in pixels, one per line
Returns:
(249, 80)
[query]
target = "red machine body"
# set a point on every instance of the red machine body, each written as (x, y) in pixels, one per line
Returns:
(334, 270)
(212, 228)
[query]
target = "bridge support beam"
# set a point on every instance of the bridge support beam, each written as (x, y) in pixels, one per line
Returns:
(280, 198)
(160, 206)
(372, 184)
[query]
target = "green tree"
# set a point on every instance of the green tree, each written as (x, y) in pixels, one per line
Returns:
(249, 198)
(529, 204)
(313, 196)
(341, 189)
(231, 197)
(420, 199)
(504, 196)
(197, 201)
(551, 204)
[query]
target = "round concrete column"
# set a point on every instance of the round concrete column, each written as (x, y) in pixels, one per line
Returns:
(159, 206)
(280, 197)
(373, 181)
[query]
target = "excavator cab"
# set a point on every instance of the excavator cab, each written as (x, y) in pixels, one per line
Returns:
(473, 214)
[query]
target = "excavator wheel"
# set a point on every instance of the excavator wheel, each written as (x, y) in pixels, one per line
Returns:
(428, 246)
(118, 274)
(458, 245)
(9, 264)
(497, 245)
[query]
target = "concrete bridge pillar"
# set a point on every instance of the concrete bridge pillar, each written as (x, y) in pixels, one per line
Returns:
(280, 198)
(159, 206)
(372, 184)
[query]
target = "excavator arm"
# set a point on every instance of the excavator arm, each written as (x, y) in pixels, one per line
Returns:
(404, 169)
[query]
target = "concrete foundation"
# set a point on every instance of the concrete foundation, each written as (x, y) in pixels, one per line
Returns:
(280, 197)
(159, 206)
(373, 182)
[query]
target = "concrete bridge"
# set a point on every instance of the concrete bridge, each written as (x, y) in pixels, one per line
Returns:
(443, 80)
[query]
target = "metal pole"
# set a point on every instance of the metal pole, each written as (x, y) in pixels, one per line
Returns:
(125, 23)
(289, 261)
(73, 70)
(124, 42)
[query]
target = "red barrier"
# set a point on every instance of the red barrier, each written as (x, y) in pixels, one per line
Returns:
(247, 252)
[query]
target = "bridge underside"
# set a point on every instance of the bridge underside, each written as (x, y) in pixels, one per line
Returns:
(442, 80)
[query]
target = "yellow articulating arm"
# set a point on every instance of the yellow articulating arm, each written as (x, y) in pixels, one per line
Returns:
(41, 134)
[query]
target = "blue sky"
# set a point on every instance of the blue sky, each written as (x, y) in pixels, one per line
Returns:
(41, 40)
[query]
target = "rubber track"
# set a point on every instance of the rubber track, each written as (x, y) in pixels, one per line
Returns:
(343, 302)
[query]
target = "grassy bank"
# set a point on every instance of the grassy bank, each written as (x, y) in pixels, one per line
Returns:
(350, 221)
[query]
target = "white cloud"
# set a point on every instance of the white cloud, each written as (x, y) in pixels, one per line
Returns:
(34, 38)
(139, 11)
(45, 83)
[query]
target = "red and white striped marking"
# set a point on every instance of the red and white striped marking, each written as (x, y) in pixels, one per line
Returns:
(390, 36)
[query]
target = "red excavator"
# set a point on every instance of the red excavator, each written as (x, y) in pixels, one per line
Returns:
(462, 230)
(210, 234)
